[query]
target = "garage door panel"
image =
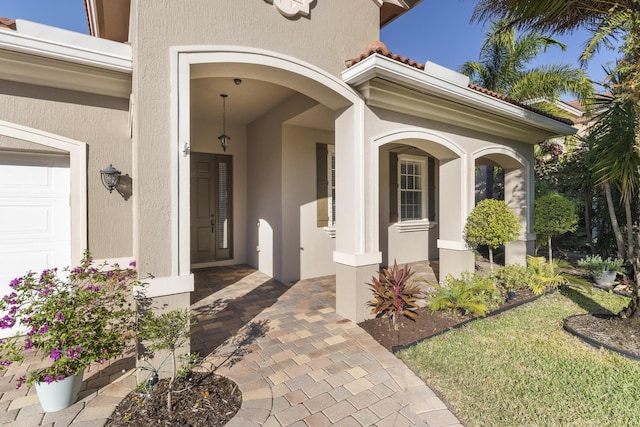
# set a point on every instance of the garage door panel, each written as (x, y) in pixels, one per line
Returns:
(24, 259)
(36, 219)
(35, 229)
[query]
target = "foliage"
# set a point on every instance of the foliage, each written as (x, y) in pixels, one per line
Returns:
(471, 293)
(546, 276)
(513, 277)
(522, 369)
(503, 68)
(393, 295)
(74, 321)
(491, 223)
(166, 331)
(605, 19)
(595, 264)
(553, 215)
(612, 157)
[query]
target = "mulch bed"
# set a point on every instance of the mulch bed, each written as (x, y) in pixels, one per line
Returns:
(205, 400)
(603, 330)
(428, 324)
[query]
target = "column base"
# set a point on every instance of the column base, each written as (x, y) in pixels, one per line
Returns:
(455, 262)
(516, 252)
(352, 293)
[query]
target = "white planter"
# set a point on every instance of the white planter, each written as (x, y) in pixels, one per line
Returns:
(59, 395)
(605, 278)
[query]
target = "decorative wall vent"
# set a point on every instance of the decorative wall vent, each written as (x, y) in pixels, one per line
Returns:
(291, 8)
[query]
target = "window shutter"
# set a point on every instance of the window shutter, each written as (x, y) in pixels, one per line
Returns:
(322, 185)
(393, 187)
(431, 195)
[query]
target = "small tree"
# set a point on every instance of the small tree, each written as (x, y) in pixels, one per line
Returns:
(166, 331)
(554, 215)
(491, 223)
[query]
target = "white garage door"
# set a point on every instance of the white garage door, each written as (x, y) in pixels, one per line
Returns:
(35, 230)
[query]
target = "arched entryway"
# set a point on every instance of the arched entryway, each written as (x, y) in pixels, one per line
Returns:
(291, 111)
(518, 188)
(422, 220)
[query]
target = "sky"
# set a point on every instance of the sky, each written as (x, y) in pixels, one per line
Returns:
(436, 30)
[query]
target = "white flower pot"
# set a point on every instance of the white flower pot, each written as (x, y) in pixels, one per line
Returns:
(604, 278)
(59, 395)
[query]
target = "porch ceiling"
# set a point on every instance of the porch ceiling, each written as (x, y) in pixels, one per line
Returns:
(248, 101)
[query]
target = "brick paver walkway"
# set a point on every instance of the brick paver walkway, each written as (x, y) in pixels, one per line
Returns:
(296, 362)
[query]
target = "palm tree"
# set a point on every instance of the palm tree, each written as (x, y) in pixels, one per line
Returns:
(605, 19)
(612, 156)
(503, 68)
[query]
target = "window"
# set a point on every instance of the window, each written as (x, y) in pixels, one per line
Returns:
(412, 191)
(412, 188)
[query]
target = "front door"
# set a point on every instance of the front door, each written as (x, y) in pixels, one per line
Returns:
(211, 207)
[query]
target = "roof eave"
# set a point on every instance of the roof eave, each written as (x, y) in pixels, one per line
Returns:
(447, 84)
(43, 55)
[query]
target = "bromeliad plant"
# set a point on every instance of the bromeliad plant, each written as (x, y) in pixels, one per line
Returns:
(80, 317)
(393, 295)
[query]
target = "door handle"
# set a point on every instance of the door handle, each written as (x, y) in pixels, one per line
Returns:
(213, 223)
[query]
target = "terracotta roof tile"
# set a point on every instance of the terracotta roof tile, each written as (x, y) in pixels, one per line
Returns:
(7, 23)
(380, 49)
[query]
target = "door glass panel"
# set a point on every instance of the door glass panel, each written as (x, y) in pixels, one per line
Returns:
(223, 203)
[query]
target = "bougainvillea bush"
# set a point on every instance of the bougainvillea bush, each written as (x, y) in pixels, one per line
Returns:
(71, 318)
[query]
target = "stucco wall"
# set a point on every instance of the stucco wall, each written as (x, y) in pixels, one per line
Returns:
(328, 37)
(265, 189)
(102, 123)
(307, 248)
(440, 140)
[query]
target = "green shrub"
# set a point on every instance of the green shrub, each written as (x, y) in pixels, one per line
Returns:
(512, 277)
(471, 293)
(594, 264)
(491, 223)
(553, 215)
(546, 276)
(393, 296)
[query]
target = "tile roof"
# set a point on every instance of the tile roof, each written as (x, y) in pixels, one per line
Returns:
(7, 23)
(379, 48)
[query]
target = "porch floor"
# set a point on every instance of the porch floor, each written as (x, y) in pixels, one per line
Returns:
(295, 360)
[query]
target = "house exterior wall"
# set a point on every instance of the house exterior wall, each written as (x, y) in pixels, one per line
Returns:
(281, 195)
(102, 123)
(456, 183)
(307, 249)
(204, 22)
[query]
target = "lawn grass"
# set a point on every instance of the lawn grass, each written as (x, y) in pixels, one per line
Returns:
(521, 368)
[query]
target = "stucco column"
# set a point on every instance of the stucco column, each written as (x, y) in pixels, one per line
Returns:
(356, 256)
(517, 197)
(456, 198)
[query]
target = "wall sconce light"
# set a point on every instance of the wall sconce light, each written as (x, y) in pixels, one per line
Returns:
(224, 138)
(110, 178)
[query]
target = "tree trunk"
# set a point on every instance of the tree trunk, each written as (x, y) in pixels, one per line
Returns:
(587, 218)
(614, 220)
(490, 259)
(627, 211)
(550, 254)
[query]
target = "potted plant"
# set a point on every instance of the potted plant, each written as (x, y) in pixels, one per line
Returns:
(603, 271)
(71, 320)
